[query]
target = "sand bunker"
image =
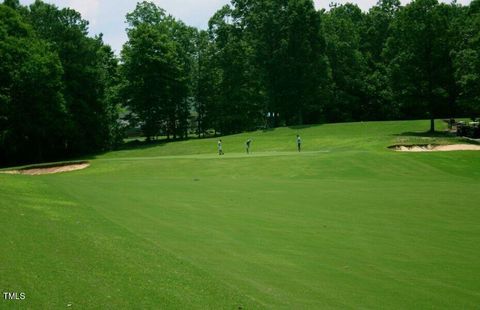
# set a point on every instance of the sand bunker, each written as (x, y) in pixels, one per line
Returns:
(50, 169)
(435, 148)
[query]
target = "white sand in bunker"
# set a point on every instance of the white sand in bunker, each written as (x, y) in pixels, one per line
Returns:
(41, 170)
(436, 148)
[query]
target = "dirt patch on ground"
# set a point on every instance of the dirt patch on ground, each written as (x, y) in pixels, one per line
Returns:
(435, 148)
(50, 169)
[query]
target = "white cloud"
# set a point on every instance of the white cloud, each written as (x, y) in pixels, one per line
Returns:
(88, 9)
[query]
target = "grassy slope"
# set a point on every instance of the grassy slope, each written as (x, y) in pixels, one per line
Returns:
(358, 226)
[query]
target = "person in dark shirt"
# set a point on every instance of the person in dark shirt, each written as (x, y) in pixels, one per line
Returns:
(247, 145)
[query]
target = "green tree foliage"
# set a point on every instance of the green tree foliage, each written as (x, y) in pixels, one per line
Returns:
(262, 58)
(377, 28)
(467, 59)
(392, 62)
(238, 107)
(14, 4)
(206, 92)
(343, 29)
(84, 60)
(157, 67)
(420, 68)
(32, 107)
(56, 85)
(293, 57)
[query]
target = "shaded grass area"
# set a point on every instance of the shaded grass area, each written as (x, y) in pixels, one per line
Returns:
(359, 226)
(345, 136)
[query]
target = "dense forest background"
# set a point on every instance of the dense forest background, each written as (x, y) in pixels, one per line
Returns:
(261, 63)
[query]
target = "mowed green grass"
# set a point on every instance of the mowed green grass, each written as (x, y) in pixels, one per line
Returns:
(346, 224)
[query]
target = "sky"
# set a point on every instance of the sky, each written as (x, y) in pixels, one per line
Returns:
(108, 16)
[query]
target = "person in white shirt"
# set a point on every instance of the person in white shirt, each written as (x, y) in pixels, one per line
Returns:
(299, 143)
(220, 149)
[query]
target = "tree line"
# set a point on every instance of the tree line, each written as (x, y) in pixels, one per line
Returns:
(260, 63)
(281, 62)
(58, 86)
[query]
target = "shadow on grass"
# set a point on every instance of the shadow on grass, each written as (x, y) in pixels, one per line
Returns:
(269, 129)
(471, 141)
(439, 134)
(140, 145)
(426, 134)
(298, 127)
(131, 145)
(293, 127)
(136, 145)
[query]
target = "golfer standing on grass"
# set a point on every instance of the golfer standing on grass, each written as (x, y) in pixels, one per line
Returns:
(247, 145)
(299, 143)
(220, 150)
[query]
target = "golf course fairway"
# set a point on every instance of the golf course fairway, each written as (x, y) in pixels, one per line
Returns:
(347, 223)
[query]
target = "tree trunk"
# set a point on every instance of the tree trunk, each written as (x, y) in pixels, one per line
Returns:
(432, 125)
